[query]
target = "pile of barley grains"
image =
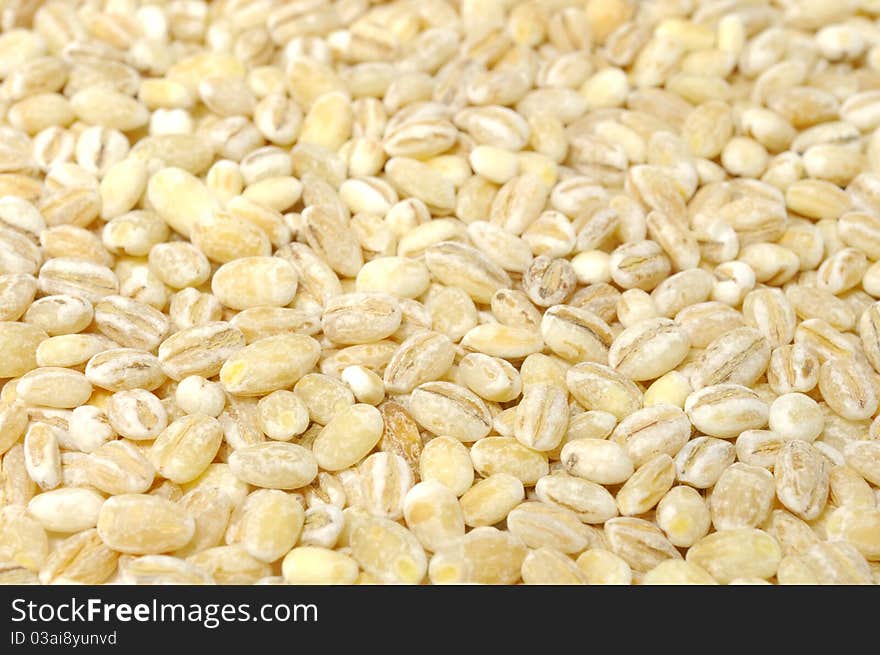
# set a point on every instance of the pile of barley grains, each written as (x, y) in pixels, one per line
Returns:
(440, 291)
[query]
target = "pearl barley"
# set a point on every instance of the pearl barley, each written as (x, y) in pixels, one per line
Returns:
(477, 291)
(796, 416)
